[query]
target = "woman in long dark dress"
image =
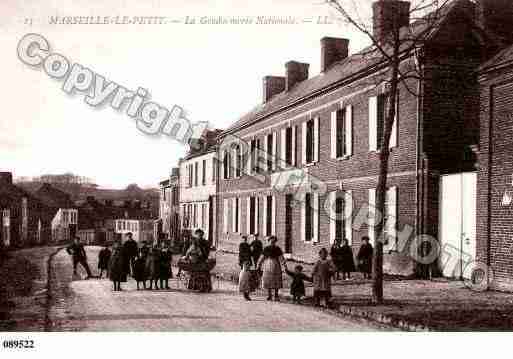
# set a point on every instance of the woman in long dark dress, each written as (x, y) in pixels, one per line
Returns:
(270, 263)
(347, 262)
(365, 258)
(117, 266)
(152, 267)
(337, 256)
(165, 271)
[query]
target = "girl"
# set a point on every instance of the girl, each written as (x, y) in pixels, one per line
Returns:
(297, 287)
(140, 270)
(117, 267)
(245, 279)
(321, 274)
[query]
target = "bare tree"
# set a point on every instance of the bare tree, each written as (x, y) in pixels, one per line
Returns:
(390, 45)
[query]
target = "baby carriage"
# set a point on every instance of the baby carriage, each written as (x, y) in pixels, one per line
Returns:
(197, 274)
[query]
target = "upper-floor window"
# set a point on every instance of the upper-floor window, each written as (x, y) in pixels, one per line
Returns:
(310, 140)
(204, 173)
(342, 132)
(288, 145)
(196, 166)
(226, 164)
(255, 148)
(252, 215)
(378, 110)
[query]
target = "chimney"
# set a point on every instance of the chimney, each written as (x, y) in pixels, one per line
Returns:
(272, 85)
(496, 16)
(295, 73)
(174, 171)
(388, 15)
(5, 178)
(333, 49)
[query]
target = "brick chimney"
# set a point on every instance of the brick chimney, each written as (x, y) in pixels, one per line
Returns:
(496, 16)
(388, 15)
(295, 73)
(333, 49)
(5, 178)
(272, 85)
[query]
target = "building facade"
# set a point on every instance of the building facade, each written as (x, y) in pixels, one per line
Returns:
(198, 188)
(303, 165)
(141, 229)
(495, 177)
(169, 206)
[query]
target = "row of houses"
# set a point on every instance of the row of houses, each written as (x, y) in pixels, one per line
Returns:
(450, 169)
(48, 215)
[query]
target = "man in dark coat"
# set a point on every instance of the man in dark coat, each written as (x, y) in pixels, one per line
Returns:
(256, 249)
(79, 256)
(130, 251)
(365, 258)
(244, 251)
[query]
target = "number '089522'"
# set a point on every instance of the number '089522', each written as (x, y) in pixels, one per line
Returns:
(18, 344)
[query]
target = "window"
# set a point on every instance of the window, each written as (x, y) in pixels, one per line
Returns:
(255, 155)
(225, 215)
(310, 218)
(270, 149)
(269, 215)
(252, 215)
(189, 173)
(203, 215)
(196, 174)
(226, 165)
(310, 141)
(238, 159)
(341, 132)
(195, 216)
(236, 215)
(214, 168)
(204, 173)
(288, 145)
(377, 114)
(389, 218)
(341, 206)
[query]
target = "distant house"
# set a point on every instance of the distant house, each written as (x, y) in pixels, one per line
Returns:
(141, 229)
(169, 207)
(61, 210)
(24, 218)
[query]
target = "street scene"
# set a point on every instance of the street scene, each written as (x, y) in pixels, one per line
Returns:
(367, 185)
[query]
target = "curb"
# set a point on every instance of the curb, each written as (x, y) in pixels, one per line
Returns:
(48, 321)
(382, 318)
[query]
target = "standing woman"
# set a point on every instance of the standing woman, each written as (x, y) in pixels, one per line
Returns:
(271, 262)
(117, 266)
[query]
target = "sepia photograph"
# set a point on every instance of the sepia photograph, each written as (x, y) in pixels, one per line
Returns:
(253, 167)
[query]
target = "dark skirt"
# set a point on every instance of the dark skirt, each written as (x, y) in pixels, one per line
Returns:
(140, 269)
(117, 268)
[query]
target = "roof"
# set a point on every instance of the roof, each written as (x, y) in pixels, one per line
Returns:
(353, 66)
(504, 57)
(53, 197)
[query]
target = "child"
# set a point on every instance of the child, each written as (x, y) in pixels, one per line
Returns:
(321, 275)
(103, 261)
(140, 271)
(117, 270)
(165, 270)
(245, 279)
(297, 288)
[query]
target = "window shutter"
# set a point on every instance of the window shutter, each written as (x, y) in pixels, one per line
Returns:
(257, 214)
(373, 123)
(283, 145)
(273, 215)
(264, 153)
(333, 215)
(372, 213)
(239, 211)
(316, 139)
(349, 130)
(225, 215)
(393, 134)
(333, 134)
(303, 220)
(248, 215)
(316, 215)
(303, 143)
(392, 217)
(348, 215)
(234, 212)
(294, 149)
(264, 217)
(275, 152)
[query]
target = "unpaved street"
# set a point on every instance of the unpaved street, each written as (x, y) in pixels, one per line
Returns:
(91, 305)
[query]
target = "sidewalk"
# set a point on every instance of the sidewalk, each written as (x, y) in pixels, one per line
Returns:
(410, 304)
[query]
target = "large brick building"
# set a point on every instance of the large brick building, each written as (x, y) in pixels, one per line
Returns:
(495, 179)
(328, 127)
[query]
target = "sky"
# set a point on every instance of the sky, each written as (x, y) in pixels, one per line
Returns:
(213, 71)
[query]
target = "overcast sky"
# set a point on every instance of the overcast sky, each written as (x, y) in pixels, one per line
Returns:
(213, 71)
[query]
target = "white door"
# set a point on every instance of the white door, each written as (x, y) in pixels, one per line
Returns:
(457, 230)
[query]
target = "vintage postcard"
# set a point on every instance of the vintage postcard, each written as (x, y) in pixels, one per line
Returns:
(271, 166)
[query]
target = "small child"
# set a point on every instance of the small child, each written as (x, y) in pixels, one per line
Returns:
(321, 275)
(297, 287)
(103, 261)
(245, 279)
(140, 271)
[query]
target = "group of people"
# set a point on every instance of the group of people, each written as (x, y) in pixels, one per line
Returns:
(271, 262)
